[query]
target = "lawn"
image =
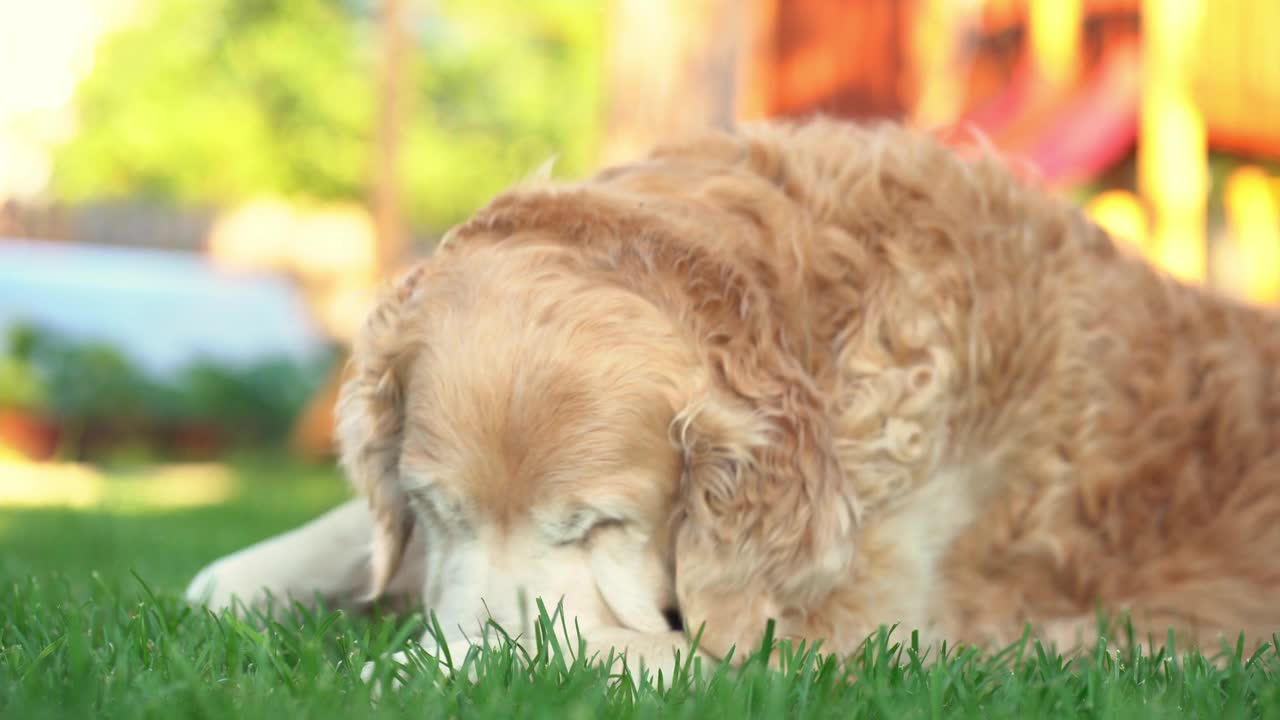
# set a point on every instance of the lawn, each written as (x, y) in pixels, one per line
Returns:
(92, 625)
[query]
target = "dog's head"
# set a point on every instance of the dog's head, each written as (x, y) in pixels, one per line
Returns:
(558, 429)
(517, 413)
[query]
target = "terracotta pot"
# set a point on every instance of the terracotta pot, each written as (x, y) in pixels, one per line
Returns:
(30, 434)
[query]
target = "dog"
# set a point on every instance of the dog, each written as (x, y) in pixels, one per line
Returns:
(830, 375)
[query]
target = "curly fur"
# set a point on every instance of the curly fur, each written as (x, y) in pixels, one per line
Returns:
(902, 386)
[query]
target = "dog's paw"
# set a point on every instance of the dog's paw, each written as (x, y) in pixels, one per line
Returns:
(208, 589)
(400, 664)
(220, 586)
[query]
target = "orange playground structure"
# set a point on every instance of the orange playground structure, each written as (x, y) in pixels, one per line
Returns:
(1123, 101)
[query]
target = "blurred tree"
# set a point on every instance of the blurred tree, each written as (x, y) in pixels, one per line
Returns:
(504, 85)
(215, 101)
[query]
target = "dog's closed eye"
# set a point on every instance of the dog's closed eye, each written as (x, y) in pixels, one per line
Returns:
(447, 512)
(576, 526)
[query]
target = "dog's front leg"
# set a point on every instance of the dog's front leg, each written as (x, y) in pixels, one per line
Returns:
(326, 559)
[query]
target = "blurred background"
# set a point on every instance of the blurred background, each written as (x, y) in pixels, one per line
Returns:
(197, 197)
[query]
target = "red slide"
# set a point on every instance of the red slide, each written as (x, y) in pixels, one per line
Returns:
(1067, 138)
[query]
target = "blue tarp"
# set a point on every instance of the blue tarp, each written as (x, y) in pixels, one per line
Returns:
(163, 309)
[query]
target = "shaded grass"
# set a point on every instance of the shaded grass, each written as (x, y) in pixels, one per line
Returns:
(92, 625)
(164, 545)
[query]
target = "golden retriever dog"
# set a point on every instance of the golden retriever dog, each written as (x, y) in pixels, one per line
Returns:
(830, 375)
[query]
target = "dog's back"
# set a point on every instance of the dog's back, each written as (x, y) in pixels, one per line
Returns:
(1035, 419)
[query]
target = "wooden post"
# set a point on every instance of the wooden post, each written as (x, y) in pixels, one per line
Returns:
(671, 70)
(388, 220)
(312, 433)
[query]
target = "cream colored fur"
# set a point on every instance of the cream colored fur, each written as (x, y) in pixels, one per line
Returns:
(830, 375)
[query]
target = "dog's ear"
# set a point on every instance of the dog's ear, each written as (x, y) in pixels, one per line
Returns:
(765, 523)
(370, 423)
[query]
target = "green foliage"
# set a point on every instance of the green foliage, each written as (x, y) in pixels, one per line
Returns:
(505, 85)
(217, 100)
(93, 383)
(252, 404)
(88, 381)
(21, 386)
(212, 102)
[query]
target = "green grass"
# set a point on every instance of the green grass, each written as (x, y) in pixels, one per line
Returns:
(92, 625)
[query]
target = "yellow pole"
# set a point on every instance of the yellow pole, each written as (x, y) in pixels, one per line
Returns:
(939, 56)
(1254, 219)
(1172, 147)
(1121, 214)
(1055, 39)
